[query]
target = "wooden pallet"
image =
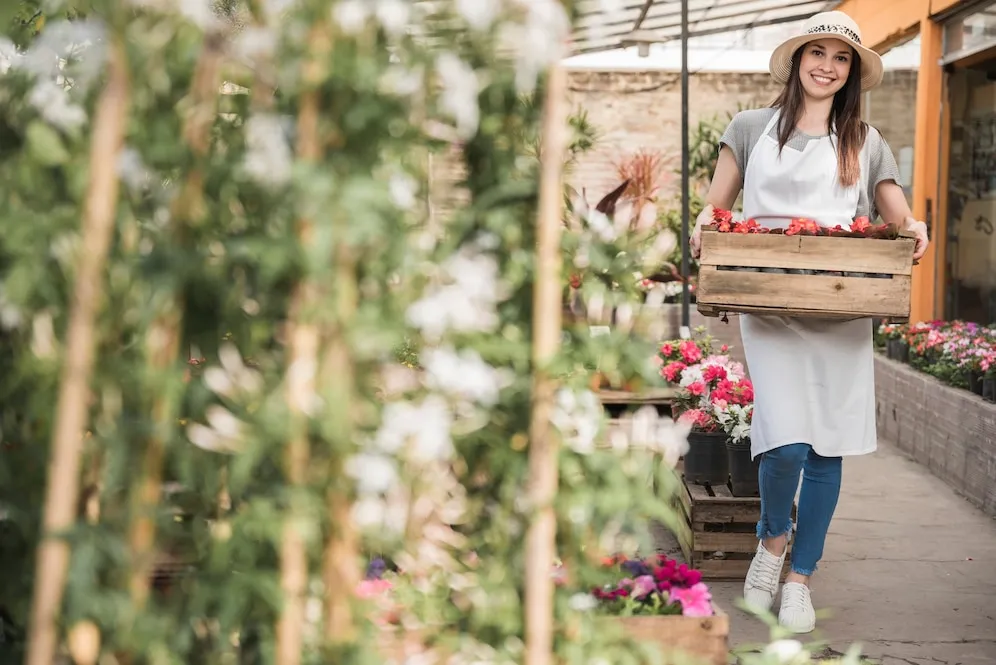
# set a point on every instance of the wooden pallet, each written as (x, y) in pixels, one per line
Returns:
(718, 536)
(663, 395)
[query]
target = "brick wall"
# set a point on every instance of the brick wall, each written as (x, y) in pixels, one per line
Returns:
(949, 431)
(642, 110)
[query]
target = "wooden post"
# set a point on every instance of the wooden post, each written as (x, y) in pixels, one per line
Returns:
(302, 368)
(163, 339)
(543, 441)
(61, 494)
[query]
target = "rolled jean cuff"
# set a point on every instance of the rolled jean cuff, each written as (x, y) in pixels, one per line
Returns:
(808, 572)
(763, 532)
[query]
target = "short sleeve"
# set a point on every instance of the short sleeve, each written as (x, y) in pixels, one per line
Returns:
(882, 167)
(882, 164)
(743, 132)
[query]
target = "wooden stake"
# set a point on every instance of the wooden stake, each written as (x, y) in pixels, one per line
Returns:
(543, 443)
(303, 345)
(163, 341)
(62, 490)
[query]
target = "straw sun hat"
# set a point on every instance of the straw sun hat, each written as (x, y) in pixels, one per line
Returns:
(836, 25)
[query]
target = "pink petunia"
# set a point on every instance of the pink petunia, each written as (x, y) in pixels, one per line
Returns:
(643, 585)
(696, 601)
(372, 588)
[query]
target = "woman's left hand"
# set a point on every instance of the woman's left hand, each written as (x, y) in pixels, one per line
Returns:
(920, 230)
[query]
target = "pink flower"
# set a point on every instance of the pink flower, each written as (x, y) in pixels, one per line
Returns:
(667, 350)
(714, 372)
(690, 351)
(372, 588)
(696, 601)
(643, 585)
(672, 371)
(697, 388)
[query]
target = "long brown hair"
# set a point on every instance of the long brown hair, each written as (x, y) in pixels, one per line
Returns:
(845, 117)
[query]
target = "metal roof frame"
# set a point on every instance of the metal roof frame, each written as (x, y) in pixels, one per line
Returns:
(599, 30)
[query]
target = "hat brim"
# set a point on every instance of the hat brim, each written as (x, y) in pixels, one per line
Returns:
(780, 64)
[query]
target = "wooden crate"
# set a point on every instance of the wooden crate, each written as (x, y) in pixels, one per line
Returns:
(682, 639)
(836, 290)
(718, 522)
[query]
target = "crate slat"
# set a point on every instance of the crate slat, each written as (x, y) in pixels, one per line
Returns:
(815, 295)
(894, 257)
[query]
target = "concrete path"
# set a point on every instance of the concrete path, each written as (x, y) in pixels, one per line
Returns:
(909, 571)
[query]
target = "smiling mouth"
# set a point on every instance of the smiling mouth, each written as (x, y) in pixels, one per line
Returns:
(822, 80)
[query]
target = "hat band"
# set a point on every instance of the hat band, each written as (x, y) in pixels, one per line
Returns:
(839, 29)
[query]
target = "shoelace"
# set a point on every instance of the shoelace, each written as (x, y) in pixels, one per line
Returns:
(796, 599)
(767, 571)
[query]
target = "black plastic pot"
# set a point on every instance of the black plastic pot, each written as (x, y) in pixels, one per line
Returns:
(743, 470)
(705, 461)
(975, 382)
(989, 389)
(903, 351)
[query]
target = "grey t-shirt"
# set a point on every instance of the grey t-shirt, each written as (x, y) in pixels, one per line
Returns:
(746, 128)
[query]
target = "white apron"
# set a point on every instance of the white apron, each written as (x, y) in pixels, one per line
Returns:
(814, 380)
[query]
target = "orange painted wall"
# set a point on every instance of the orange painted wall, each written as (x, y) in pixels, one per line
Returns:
(884, 22)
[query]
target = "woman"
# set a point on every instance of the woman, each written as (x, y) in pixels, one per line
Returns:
(809, 155)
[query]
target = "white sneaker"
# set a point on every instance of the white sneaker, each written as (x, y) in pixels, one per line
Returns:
(763, 577)
(797, 613)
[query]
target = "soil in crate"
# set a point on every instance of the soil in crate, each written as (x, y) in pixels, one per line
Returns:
(719, 534)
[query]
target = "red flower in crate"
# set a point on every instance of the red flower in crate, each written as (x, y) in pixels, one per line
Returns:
(861, 225)
(723, 220)
(802, 226)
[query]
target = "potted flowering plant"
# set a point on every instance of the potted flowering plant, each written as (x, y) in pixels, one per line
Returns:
(707, 386)
(660, 601)
(735, 419)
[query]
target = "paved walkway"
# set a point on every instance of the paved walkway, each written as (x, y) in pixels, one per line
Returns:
(909, 570)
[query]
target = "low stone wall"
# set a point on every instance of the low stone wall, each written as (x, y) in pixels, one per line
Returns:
(950, 431)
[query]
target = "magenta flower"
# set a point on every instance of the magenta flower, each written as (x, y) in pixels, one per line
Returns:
(643, 585)
(696, 601)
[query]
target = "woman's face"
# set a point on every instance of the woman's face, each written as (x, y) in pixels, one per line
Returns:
(824, 67)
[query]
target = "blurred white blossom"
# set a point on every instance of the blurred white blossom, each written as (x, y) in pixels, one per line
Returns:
(538, 41)
(393, 15)
(578, 416)
(232, 379)
(464, 375)
(403, 190)
(351, 15)
(788, 652)
(224, 432)
(374, 473)
(460, 88)
(647, 429)
(421, 431)
(465, 298)
(269, 158)
(582, 602)
(10, 314)
(74, 49)
(8, 54)
(52, 101)
(479, 14)
(133, 171)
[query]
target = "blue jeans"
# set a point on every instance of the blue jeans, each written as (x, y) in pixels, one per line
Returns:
(779, 478)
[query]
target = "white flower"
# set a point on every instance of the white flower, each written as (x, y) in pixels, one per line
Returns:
(374, 473)
(224, 435)
(578, 417)
(8, 54)
(536, 43)
(788, 652)
(52, 101)
(10, 314)
(403, 190)
(582, 602)
(464, 300)
(663, 435)
(351, 15)
(464, 374)
(71, 48)
(394, 15)
(479, 14)
(268, 158)
(132, 170)
(690, 375)
(43, 335)
(422, 430)
(255, 44)
(460, 87)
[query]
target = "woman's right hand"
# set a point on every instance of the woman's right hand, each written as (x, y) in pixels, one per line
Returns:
(695, 241)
